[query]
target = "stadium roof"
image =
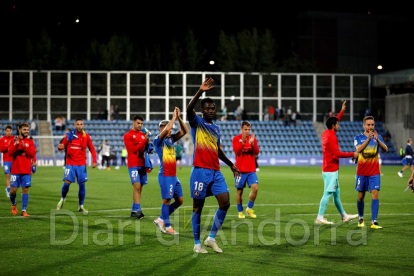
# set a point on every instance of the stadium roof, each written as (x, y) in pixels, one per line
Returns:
(403, 77)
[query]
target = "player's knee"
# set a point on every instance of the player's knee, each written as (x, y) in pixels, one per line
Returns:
(255, 188)
(224, 206)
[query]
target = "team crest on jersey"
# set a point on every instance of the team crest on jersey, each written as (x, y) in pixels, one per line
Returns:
(133, 136)
(26, 144)
(196, 193)
(216, 130)
(142, 136)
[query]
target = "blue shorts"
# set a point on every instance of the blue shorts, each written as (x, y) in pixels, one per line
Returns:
(138, 175)
(331, 182)
(207, 182)
(407, 161)
(249, 178)
(20, 180)
(170, 187)
(367, 183)
(7, 167)
(72, 171)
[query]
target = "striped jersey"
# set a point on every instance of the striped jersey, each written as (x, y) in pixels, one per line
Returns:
(166, 152)
(368, 159)
(206, 139)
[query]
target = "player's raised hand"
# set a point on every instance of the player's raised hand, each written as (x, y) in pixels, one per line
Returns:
(61, 146)
(235, 171)
(375, 133)
(251, 140)
(343, 106)
(207, 84)
(174, 114)
(93, 165)
(178, 111)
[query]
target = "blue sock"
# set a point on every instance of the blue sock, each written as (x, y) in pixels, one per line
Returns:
(81, 193)
(136, 207)
(324, 203)
(165, 214)
(250, 204)
(360, 206)
(13, 199)
(240, 208)
(374, 209)
(218, 221)
(337, 201)
(25, 201)
(65, 189)
(195, 222)
(8, 190)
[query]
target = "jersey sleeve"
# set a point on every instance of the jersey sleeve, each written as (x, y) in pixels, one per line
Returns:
(157, 141)
(255, 147)
(334, 146)
(3, 148)
(339, 116)
(64, 142)
(237, 146)
(357, 141)
(195, 121)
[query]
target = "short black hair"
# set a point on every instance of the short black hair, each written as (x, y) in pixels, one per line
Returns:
(331, 121)
(246, 123)
(206, 100)
(137, 117)
(8, 127)
(78, 119)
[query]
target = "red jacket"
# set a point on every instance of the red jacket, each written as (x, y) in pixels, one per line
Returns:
(22, 156)
(4, 147)
(245, 154)
(135, 143)
(76, 149)
(330, 149)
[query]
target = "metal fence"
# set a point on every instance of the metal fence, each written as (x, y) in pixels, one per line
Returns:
(44, 95)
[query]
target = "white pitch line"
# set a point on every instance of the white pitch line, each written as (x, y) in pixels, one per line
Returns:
(260, 216)
(259, 205)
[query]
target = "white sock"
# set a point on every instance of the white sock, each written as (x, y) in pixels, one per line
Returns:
(319, 217)
(344, 214)
(62, 199)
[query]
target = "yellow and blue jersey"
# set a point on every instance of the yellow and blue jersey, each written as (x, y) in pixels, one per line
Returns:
(206, 139)
(368, 159)
(166, 152)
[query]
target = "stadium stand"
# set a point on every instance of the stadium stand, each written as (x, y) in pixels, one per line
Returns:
(274, 137)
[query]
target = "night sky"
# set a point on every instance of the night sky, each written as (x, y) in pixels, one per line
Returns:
(144, 23)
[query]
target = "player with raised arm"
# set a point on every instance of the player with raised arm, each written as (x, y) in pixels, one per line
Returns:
(330, 169)
(75, 142)
(206, 178)
(7, 159)
(22, 150)
(368, 173)
(246, 149)
(167, 176)
(136, 142)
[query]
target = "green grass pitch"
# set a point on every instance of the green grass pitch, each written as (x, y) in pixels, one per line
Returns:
(281, 241)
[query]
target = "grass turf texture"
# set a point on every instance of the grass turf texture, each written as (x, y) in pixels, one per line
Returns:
(282, 240)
